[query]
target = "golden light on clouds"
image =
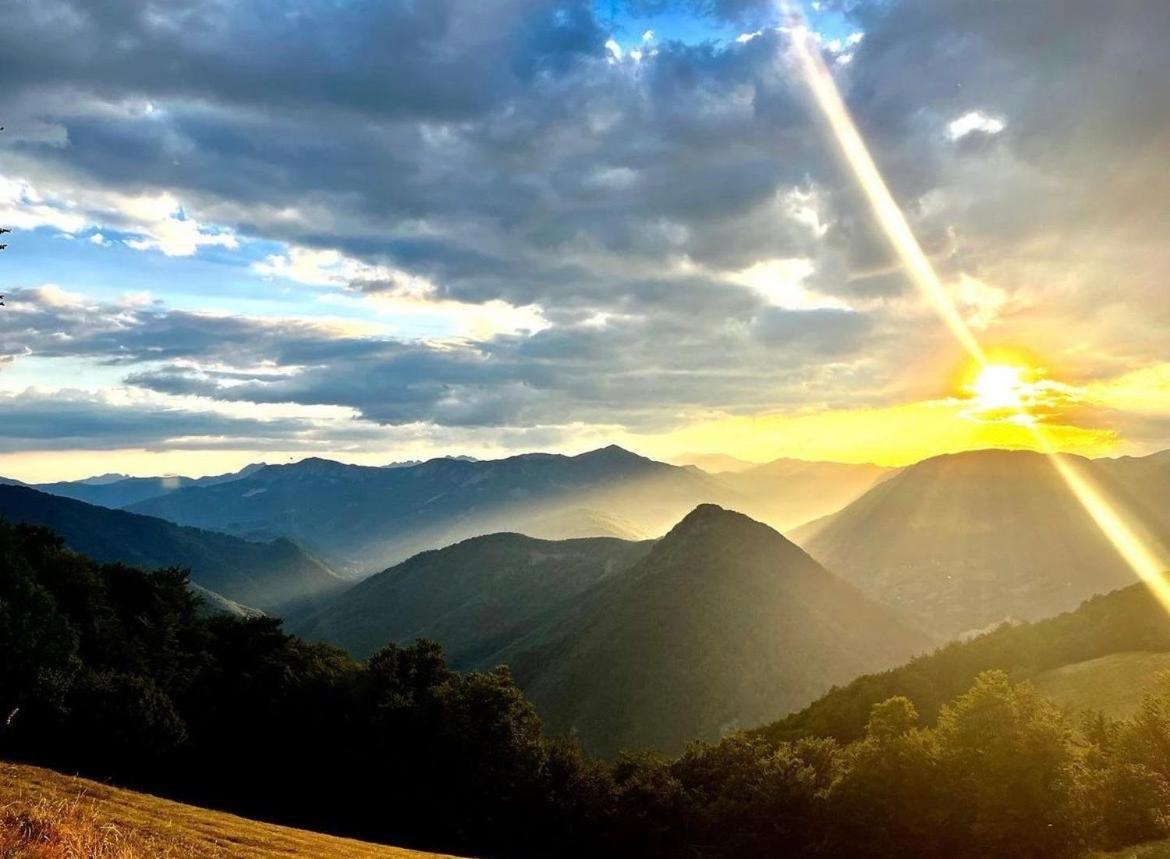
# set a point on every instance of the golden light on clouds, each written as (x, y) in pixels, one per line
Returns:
(999, 389)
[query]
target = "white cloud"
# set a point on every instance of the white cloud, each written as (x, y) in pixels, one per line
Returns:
(615, 50)
(979, 301)
(804, 207)
(331, 268)
(781, 283)
(23, 207)
(410, 300)
(648, 36)
(972, 121)
(157, 222)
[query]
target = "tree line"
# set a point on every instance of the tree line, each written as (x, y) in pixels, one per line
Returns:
(119, 674)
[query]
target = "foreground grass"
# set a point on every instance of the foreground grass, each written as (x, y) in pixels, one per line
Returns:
(1114, 684)
(45, 815)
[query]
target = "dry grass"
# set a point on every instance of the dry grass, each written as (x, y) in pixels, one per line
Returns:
(1114, 684)
(1152, 850)
(45, 815)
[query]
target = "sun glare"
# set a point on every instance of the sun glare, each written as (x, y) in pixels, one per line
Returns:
(1004, 392)
(999, 386)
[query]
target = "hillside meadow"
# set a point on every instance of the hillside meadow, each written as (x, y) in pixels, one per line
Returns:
(46, 815)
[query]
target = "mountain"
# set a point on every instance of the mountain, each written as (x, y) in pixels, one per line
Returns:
(473, 597)
(118, 490)
(263, 575)
(722, 625)
(1147, 480)
(786, 493)
(714, 463)
(369, 518)
(967, 540)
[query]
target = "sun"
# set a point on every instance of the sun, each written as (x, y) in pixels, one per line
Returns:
(1000, 386)
(1004, 393)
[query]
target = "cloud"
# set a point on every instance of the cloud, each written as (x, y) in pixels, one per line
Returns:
(627, 370)
(67, 420)
(974, 122)
(620, 242)
(151, 222)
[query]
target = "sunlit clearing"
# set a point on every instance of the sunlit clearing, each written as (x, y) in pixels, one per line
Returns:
(996, 383)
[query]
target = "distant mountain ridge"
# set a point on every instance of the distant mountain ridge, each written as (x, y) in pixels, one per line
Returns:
(368, 518)
(787, 493)
(263, 576)
(120, 490)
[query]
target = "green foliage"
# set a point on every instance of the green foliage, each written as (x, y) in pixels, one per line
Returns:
(1007, 759)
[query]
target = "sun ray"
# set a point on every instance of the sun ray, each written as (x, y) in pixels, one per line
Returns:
(1144, 558)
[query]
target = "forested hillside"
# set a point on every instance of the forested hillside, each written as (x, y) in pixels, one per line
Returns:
(261, 575)
(1125, 621)
(112, 672)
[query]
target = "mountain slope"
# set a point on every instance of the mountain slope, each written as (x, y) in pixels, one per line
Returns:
(473, 597)
(724, 624)
(124, 491)
(1126, 621)
(46, 814)
(965, 541)
(786, 493)
(1147, 480)
(369, 518)
(263, 575)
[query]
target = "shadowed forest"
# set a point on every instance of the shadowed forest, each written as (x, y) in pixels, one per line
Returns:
(120, 674)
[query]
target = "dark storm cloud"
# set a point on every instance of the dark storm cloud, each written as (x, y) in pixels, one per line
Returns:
(442, 59)
(496, 149)
(541, 150)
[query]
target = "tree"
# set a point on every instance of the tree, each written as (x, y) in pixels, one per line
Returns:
(1008, 769)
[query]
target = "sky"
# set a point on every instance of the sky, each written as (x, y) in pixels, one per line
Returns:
(379, 231)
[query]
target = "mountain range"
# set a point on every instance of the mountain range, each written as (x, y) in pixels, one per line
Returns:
(625, 640)
(235, 575)
(723, 623)
(362, 518)
(119, 490)
(365, 518)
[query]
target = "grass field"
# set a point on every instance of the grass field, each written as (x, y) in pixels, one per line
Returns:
(1152, 850)
(45, 815)
(1113, 684)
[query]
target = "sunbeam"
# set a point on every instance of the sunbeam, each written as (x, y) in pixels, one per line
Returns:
(1146, 560)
